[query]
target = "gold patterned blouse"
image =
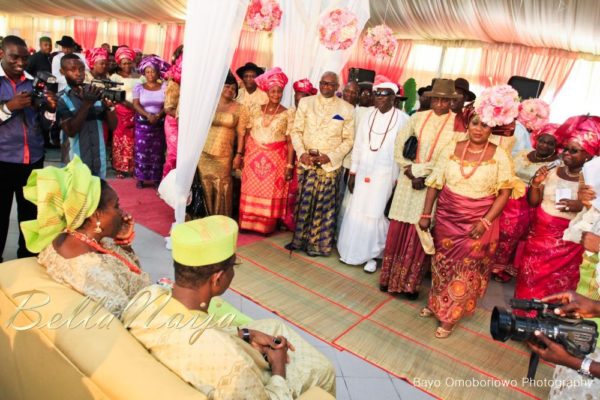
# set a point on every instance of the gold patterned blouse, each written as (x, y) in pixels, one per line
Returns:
(490, 177)
(101, 277)
(224, 130)
(277, 129)
(551, 184)
(324, 124)
(172, 96)
(258, 97)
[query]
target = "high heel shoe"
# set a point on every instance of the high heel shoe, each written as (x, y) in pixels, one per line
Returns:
(442, 333)
(425, 312)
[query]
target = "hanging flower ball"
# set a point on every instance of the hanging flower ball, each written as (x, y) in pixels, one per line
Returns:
(498, 105)
(263, 15)
(338, 29)
(380, 41)
(534, 114)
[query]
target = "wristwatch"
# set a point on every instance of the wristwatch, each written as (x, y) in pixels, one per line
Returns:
(5, 109)
(585, 367)
(246, 334)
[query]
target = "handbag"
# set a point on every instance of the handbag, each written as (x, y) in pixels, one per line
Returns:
(410, 148)
(197, 207)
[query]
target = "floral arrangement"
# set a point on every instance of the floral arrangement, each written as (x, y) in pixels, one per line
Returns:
(338, 29)
(498, 105)
(380, 41)
(263, 15)
(534, 114)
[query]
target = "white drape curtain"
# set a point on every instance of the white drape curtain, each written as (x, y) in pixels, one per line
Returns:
(209, 45)
(296, 47)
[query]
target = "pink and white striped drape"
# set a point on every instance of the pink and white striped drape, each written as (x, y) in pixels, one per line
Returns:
(85, 32)
(173, 38)
(131, 34)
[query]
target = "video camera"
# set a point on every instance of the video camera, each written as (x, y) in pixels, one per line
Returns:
(44, 81)
(108, 91)
(578, 336)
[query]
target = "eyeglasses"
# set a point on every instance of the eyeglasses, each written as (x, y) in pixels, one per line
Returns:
(383, 93)
(325, 83)
(572, 150)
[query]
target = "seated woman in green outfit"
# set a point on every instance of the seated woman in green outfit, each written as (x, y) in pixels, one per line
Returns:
(82, 234)
(259, 360)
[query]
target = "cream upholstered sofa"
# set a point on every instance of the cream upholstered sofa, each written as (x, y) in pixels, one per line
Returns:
(62, 362)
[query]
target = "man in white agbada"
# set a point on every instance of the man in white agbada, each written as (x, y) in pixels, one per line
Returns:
(373, 174)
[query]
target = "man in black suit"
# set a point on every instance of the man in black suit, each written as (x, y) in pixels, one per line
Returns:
(40, 61)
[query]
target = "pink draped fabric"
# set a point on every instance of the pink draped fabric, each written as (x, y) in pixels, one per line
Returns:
(501, 61)
(461, 266)
(132, 34)
(173, 38)
(392, 67)
(548, 264)
(514, 224)
(86, 31)
(255, 47)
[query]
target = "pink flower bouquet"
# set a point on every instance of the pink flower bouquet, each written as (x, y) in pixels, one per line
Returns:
(263, 15)
(534, 114)
(380, 41)
(338, 29)
(498, 105)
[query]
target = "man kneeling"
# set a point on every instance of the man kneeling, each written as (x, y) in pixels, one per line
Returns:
(263, 360)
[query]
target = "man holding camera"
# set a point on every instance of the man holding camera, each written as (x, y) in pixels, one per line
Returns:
(574, 306)
(82, 113)
(21, 140)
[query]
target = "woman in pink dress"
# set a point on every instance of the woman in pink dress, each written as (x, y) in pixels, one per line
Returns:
(549, 264)
(172, 110)
(516, 216)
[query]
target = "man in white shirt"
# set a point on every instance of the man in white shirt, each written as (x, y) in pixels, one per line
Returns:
(67, 46)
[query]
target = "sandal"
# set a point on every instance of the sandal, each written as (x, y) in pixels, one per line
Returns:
(442, 333)
(425, 312)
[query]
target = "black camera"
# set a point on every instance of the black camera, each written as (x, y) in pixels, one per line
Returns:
(44, 81)
(578, 336)
(108, 90)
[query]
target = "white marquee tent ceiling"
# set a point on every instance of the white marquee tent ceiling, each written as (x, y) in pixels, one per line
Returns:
(565, 24)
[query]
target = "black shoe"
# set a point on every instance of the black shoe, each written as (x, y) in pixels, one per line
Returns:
(411, 295)
(290, 246)
(139, 185)
(383, 288)
(311, 253)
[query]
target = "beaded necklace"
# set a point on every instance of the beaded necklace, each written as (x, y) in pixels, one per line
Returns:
(462, 160)
(387, 129)
(437, 137)
(264, 114)
(93, 243)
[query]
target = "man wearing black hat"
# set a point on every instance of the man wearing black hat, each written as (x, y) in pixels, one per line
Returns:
(458, 105)
(250, 94)
(67, 46)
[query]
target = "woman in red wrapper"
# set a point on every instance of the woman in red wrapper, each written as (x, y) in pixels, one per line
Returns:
(549, 264)
(472, 181)
(268, 158)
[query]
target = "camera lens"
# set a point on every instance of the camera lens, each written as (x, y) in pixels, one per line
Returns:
(501, 324)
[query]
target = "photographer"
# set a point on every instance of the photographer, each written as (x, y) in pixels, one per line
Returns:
(21, 139)
(82, 116)
(578, 306)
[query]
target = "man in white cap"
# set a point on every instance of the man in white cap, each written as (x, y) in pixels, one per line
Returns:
(208, 343)
(373, 174)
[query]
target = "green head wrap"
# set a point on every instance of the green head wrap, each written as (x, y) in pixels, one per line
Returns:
(65, 198)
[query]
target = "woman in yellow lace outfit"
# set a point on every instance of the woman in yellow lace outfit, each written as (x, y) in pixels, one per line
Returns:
(472, 181)
(215, 166)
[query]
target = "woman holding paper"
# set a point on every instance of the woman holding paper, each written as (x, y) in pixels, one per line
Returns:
(549, 264)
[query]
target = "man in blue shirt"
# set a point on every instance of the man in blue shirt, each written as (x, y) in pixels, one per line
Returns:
(21, 139)
(82, 114)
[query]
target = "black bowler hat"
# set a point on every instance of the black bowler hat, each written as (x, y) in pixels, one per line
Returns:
(249, 67)
(66, 41)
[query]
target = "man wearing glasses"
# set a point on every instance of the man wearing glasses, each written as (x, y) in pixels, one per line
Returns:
(373, 174)
(322, 135)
